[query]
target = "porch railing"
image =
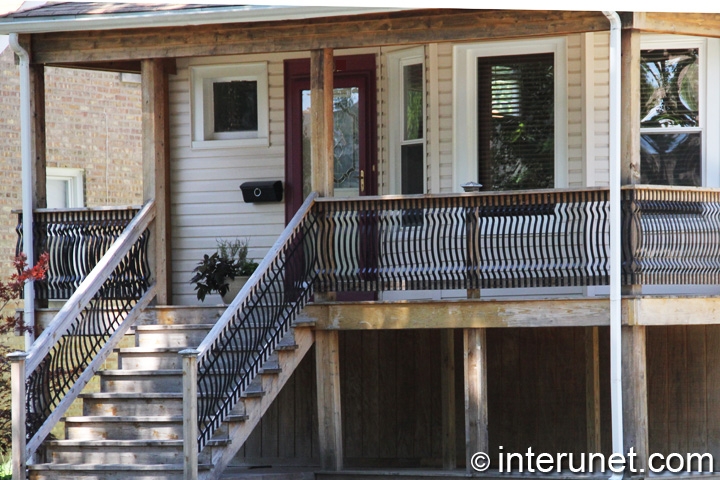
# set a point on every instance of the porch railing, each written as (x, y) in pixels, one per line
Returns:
(83, 333)
(75, 239)
(469, 241)
(671, 235)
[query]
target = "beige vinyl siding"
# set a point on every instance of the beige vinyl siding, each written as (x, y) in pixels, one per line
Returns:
(575, 128)
(206, 202)
(599, 163)
(445, 117)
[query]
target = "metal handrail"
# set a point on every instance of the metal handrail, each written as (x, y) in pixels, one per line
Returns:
(71, 349)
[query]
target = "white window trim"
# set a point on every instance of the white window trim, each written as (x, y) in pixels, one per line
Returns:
(465, 158)
(709, 102)
(396, 61)
(201, 105)
(75, 181)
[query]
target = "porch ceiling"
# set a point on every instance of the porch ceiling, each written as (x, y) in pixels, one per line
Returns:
(377, 29)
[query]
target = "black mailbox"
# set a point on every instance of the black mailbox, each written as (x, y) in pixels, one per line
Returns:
(262, 191)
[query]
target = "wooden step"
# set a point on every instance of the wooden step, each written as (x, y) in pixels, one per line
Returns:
(64, 471)
(167, 427)
(131, 452)
(159, 336)
(131, 404)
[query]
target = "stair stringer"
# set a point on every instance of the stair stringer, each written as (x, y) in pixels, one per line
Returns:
(255, 408)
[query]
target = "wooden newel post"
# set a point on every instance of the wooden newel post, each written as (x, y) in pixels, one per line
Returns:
(190, 414)
(19, 439)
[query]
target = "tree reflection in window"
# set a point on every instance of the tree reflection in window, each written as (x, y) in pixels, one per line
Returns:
(671, 134)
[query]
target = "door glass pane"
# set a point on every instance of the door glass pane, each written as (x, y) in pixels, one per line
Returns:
(669, 88)
(670, 159)
(346, 141)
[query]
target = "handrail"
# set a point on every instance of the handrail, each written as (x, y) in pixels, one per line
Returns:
(118, 282)
(249, 330)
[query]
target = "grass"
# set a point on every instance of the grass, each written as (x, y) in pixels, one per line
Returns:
(5, 468)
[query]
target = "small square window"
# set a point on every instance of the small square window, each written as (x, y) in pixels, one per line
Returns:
(229, 105)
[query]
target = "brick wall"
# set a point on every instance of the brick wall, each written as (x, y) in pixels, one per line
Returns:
(93, 122)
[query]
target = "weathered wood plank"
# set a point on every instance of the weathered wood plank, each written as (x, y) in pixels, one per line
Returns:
(286, 419)
(327, 364)
(700, 24)
(658, 397)
(630, 113)
(677, 384)
(404, 394)
(321, 118)
(305, 405)
(387, 378)
(353, 361)
(423, 358)
(592, 389)
(713, 389)
(634, 378)
(476, 393)
(447, 399)
(465, 314)
(697, 421)
(397, 28)
(156, 170)
(371, 401)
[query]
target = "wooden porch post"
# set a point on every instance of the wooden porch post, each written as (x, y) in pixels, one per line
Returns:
(156, 169)
(327, 362)
(630, 116)
(447, 398)
(39, 144)
(635, 396)
(321, 113)
(476, 397)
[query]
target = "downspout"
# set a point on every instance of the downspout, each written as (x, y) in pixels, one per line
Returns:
(615, 239)
(27, 183)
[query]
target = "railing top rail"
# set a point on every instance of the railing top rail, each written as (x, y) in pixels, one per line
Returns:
(227, 316)
(671, 188)
(458, 195)
(89, 287)
(81, 209)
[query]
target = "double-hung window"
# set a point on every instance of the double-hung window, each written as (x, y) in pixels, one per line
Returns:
(511, 114)
(676, 111)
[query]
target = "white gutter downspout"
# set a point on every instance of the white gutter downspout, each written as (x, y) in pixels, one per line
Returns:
(615, 239)
(27, 182)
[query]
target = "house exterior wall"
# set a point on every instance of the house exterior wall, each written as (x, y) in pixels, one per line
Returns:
(207, 202)
(93, 123)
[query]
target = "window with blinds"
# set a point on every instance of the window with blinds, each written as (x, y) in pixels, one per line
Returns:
(516, 124)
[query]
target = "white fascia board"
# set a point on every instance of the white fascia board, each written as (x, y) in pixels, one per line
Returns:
(176, 18)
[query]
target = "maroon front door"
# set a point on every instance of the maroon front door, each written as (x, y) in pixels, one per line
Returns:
(355, 148)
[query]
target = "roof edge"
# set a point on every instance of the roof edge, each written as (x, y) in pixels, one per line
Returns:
(176, 18)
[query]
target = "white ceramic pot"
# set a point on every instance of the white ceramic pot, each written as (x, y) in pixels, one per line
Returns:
(235, 287)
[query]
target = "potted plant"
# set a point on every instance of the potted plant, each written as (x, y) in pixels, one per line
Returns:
(226, 271)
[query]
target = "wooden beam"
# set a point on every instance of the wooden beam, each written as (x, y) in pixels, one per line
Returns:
(327, 364)
(394, 28)
(465, 314)
(447, 398)
(673, 311)
(635, 397)
(592, 389)
(630, 116)
(476, 395)
(156, 169)
(674, 23)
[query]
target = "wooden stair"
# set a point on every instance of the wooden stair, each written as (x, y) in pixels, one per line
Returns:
(133, 429)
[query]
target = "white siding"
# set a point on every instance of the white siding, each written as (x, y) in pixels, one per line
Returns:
(206, 200)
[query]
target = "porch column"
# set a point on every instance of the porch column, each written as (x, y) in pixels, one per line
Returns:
(37, 107)
(321, 114)
(327, 364)
(630, 115)
(635, 397)
(156, 169)
(476, 397)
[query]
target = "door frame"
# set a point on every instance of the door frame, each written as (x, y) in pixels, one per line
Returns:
(297, 78)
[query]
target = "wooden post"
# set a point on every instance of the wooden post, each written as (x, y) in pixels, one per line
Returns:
(592, 388)
(190, 414)
(447, 395)
(322, 157)
(635, 403)
(327, 364)
(156, 169)
(630, 117)
(476, 397)
(321, 114)
(18, 405)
